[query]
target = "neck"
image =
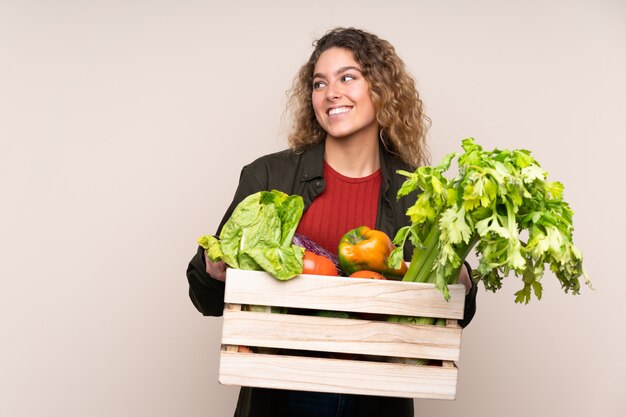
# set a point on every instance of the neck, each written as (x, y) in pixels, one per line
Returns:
(351, 157)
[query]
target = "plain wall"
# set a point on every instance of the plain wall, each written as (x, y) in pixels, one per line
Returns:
(123, 128)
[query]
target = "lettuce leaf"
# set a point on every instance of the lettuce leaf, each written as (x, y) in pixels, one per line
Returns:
(258, 235)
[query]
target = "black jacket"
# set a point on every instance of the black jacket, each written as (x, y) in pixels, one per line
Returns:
(302, 174)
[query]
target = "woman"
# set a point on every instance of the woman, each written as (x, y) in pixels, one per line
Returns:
(357, 119)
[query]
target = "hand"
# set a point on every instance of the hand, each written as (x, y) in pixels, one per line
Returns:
(465, 279)
(216, 270)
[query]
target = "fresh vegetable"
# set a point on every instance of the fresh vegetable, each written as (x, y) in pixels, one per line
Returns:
(310, 245)
(244, 349)
(364, 273)
(365, 248)
(258, 235)
(334, 314)
(501, 204)
(317, 264)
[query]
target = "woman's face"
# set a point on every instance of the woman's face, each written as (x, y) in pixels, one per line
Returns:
(341, 96)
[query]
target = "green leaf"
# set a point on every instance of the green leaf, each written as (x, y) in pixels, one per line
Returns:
(290, 212)
(396, 258)
(554, 190)
(423, 209)
(538, 289)
(523, 295)
(212, 247)
(408, 186)
(334, 314)
(531, 173)
(401, 235)
(281, 262)
(454, 228)
(469, 145)
(492, 225)
(522, 158)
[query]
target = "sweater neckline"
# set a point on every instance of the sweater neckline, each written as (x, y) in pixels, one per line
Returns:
(328, 170)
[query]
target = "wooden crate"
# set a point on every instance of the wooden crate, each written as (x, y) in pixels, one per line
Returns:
(313, 349)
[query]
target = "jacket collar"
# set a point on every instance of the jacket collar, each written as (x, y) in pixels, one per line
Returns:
(313, 164)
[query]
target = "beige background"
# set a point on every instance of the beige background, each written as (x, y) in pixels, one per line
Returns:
(123, 127)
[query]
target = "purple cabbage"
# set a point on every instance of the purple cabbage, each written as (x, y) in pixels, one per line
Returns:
(308, 244)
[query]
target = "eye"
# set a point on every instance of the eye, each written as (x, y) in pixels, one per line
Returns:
(348, 77)
(318, 84)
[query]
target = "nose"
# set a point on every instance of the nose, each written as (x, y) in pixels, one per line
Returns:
(333, 92)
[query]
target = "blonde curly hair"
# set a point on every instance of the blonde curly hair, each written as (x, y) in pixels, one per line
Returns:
(399, 109)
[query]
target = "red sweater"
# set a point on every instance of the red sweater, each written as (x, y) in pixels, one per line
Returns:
(345, 203)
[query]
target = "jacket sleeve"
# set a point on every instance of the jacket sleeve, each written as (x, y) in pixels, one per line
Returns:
(207, 293)
(470, 301)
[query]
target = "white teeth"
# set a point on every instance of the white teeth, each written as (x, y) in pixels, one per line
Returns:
(338, 110)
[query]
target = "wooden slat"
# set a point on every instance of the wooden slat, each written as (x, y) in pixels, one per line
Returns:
(231, 307)
(326, 334)
(344, 294)
(337, 376)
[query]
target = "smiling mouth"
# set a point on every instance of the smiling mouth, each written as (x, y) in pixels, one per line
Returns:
(339, 110)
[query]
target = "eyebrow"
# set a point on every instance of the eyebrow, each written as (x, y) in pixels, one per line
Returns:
(339, 71)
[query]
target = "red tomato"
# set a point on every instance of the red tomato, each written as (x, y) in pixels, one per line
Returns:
(245, 349)
(317, 264)
(364, 273)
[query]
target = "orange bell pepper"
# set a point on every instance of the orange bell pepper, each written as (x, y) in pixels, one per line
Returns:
(365, 248)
